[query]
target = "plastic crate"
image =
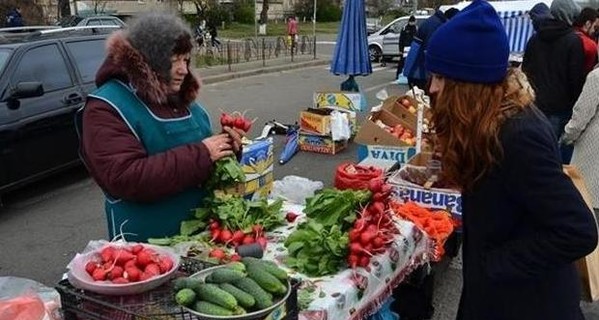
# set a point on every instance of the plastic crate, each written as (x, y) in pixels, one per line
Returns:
(157, 304)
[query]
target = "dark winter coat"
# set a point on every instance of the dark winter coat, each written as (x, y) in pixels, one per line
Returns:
(524, 226)
(554, 63)
(14, 19)
(406, 36)
(115, 157)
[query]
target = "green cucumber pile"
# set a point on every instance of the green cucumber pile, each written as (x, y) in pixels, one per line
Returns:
(239, 288)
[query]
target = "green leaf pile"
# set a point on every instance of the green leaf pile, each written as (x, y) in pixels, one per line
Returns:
(336, 207)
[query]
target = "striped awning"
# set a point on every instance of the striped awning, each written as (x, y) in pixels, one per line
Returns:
(518, 27)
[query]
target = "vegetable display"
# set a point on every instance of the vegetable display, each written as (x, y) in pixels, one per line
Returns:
(237, 288)
(336, 207)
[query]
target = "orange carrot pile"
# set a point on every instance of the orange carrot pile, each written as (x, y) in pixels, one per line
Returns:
(437, 224)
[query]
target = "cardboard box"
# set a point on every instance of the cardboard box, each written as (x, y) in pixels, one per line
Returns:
(399, 155)
(436, 198)
(257, 162)
(371, 134)
(394, 106)
(320, 144)
(349, 101)
(316, 121)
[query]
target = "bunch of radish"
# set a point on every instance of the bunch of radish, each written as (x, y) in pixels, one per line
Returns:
(235, 120)
(122, 265)
(234, 238)
(374, 230)
(223, 256)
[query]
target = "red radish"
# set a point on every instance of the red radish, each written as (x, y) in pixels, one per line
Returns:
(247, 125)
(239, 123)
(107, 254)
(354, 235)
(368, 247)
(262, 242)
(378, 242)
(378, 207)
(375, 185)
(235, 257)
(379, 196)
(144, 276)
(136, 248)
(364, 261)
(144, 258)
(122, 256)
(385, 189)
(132, 274)
(152, 269)
(99, 274)
(214, 225)
(372, 229)
(257, 229)
(165, 264)
(120, 280)
(366, 237)
(291, 216)
(248, 239)
(353, 260)
(116, 272)
(360, 224)
(130, 263)
(215, 233)
(226, 120)
(238, 236)
(90, 267)
(226, 235)
(217, 253)
(355, 248)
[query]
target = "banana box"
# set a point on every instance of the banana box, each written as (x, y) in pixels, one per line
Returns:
(348, 101)
(316, 121)
(257, 161)
(320, 144)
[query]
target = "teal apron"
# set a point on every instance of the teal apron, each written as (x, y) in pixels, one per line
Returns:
(160, 218)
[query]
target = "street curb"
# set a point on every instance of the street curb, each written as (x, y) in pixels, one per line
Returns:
(262, 70)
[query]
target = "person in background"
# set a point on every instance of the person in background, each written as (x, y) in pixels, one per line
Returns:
(582, 131)
(524, 221)
(292, 31)
(213, 35)
(405, 39)
(538, 13)
(586, 26)
(557, 85)
(145, 140)
(14, 18)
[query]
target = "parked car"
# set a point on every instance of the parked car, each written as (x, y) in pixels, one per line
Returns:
(372, 25)
(384, 44)
(99, 20)
(45, 77)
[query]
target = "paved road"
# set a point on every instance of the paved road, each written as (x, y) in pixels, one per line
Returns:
(43, 226)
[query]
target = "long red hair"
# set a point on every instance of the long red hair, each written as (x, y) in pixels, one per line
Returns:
(467, 119)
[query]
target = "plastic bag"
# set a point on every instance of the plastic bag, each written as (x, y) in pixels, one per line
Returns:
(26, 299)
(384, 312)
(340, 126)
(295, 189)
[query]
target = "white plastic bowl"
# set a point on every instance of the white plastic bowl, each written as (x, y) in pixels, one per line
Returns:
(79, 278)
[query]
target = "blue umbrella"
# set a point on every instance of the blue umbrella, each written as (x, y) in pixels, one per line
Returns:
(351, 51)
(291, 144)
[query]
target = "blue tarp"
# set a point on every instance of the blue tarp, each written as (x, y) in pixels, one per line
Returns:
(351, 51)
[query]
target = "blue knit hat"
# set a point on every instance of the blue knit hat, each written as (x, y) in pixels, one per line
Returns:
(471, 47)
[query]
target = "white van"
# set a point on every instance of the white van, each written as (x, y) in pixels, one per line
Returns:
(384, 44)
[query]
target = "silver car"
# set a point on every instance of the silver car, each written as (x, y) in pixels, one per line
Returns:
(384, 44)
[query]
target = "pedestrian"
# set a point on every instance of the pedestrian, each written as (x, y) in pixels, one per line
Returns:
(538, 13)
(557, 86)
(524, 221)
(213, 35)
(582, 131)
(586, 25)
(14, 18)
(414, 68)
(292, 31)
(145, 140)
(405, 39)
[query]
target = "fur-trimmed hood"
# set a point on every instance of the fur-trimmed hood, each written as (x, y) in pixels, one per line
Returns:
(125, 63)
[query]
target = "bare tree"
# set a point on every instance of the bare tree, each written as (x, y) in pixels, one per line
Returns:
(99, 6)
(64, 9)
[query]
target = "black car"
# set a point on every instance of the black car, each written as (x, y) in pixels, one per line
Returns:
(45, 77)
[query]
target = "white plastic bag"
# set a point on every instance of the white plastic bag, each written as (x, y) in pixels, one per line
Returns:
(295, 189)
(22, 298)
(339, 126)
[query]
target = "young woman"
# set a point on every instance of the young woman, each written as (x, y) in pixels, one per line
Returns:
(524, 221)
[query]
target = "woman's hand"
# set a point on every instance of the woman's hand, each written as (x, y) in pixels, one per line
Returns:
(235, 135)
(219, 146)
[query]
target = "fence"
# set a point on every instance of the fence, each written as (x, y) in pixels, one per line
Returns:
(240, 51)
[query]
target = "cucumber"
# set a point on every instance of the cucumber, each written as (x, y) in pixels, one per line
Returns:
(269, 266)
(224, 275)
(266, 280)
(212, 293)
(185, 297)
(236, 265)
(243, 298)
(212, 309)
(263, 298)
(186, 282)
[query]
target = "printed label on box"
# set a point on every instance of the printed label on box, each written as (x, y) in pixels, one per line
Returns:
(320, 144)
(315, 123)
(351, 101)
(399, 154)
(430, 198)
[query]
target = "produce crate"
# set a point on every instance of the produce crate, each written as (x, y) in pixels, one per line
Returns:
(155, 304)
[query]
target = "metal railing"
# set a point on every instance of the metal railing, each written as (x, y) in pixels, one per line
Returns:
(239, 51)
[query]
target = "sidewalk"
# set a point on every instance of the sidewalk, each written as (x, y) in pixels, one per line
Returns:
(220, 73)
